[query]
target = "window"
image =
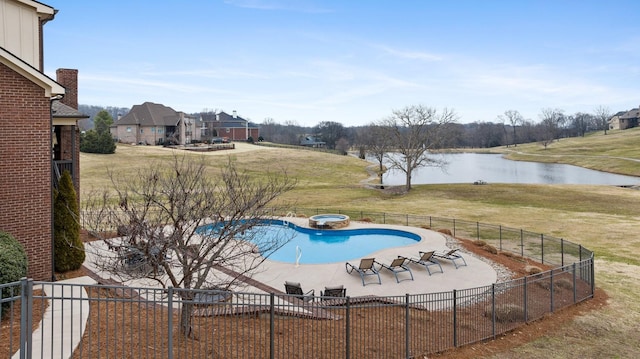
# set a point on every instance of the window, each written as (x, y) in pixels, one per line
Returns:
(153, 130)
(141, 130)
(159, 129)
(128, 129)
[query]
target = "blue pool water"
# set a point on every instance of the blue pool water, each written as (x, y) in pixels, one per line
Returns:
(328, 246)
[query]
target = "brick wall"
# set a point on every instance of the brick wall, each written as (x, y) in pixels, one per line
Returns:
(25, 164)
(69, 79)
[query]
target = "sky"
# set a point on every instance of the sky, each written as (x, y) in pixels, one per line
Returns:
(350, 61)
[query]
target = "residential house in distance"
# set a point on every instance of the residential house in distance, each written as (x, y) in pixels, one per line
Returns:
(625, 119)
(155, 124)
(312, 141)
(233, 127)
(33, 136)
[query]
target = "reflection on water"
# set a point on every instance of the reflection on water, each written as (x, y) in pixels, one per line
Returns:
(492, 168)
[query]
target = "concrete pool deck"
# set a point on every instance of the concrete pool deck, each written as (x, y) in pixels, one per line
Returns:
(271, 275)
(317, 276)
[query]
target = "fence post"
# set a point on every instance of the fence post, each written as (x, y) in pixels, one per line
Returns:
(454, 227)
(493, 309)
(170, 322)
(500, 229)
(478, 230)
(406, 326)
(561, 252)
(406, 221)
(592, 275)
(521, 243)
(551, 291)
(526, 314)
(26, 318)
(575, 294)
(455, 320)
(542, 247)
(272, 326)
(347, 334)
(384, 218)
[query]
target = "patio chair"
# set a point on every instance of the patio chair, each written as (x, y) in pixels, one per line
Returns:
(398, 265)
(452, 256)
(365, 269)
(294, 288)
(337, 291)
(427, 260)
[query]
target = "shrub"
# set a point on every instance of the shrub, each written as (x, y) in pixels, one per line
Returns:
(68, 250)
(480, 243)
(564, 283)
(445, 231)
(533, 270)
(506, 313)
(13, 266)
(489, 248)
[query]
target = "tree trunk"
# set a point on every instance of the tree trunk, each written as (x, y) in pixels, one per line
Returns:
(408, 183)
(186, 319)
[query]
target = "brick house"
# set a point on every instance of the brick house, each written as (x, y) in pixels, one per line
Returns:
(27, 128)
(155, 124)
(234, 127)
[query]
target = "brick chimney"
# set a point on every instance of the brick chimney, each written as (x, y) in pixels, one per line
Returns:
(69, 79)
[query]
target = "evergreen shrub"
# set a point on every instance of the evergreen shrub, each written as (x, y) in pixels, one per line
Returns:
(68, 250)
(13, 267)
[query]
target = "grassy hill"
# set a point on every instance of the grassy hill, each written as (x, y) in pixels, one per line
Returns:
(616, 152)
(601, 218)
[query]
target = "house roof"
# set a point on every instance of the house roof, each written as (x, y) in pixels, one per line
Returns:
(225, 120)
(61, 110)
(51, 87)
(633, 113)
(150, 114)
(64, 115)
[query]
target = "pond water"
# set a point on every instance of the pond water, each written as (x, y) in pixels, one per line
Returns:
(493, 168)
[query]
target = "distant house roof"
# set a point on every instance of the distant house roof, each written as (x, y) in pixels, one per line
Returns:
(311, 141)
(633, 113)
(150, 114)
(225, 120)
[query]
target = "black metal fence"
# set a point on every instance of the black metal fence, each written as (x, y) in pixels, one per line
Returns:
(101, 321)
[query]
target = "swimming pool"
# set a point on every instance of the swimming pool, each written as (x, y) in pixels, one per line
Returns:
(328, 246)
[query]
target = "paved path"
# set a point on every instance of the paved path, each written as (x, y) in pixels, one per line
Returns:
(63, 322)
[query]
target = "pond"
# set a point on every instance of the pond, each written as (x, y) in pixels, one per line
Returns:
(493, 168)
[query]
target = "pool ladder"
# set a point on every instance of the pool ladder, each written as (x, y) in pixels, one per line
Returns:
(298, 255)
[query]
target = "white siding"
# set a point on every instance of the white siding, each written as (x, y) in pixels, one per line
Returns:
(19, 25)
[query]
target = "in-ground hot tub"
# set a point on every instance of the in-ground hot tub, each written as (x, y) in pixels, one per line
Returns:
(329, 221)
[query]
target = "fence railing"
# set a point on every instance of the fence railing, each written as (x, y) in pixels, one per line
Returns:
(101, 321)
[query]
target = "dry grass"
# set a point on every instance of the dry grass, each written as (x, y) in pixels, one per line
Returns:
(601, 218)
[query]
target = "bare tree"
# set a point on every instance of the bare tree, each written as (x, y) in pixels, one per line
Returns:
(514, 118)
(330, 132)
(602, 116)
(553, 121)
(178, 223)
(376, 143)
(413, 131)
